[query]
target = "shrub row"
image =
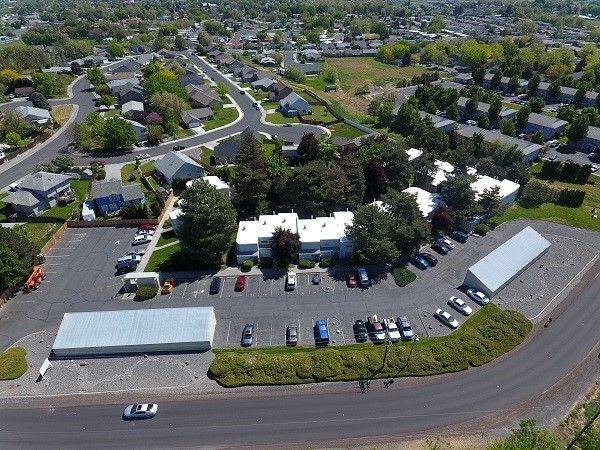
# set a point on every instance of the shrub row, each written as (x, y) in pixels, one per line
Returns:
(571, 172)
(146, 292)
(477, 342)
(306, 264)
(325, 262)
(247, 265)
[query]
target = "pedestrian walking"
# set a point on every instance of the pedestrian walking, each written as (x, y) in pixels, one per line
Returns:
(361, 384)
(548, 322)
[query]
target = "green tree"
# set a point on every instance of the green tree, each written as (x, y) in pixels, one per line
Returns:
(307, 189)
(222, 89)
(507, 127)
(534, 194)
(160, 42)
(471, 106)
(155, 134)
(495, 108)
(554, 89)
(330, 74)
(396, 165)
(534, 84)
(436, 25)
(578, 129)
(295, 74)
(489, 201)
(207, 224)
(118, 134)
(372, 232)
(522, 116)
(385, 115)
(95, 76)
(537, 105)
(107, 100)
(410, 229)
(14, 140)
(284, 246)
(431, 107)
(44, 83)
(18, 255)
(381, 29)
(580, 95)
(459, 195)
(308, 149)
(452, 112)
(513, 84)
(205, 39)
(527, 437)
(538, 137)
(167, 103)
(39, 101)
(164, 81)
(483, 121)
(115, 50)
(179, 43)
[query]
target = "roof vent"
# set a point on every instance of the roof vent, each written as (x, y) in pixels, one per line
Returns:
(324, 224)
(283, 221)
(244, 228)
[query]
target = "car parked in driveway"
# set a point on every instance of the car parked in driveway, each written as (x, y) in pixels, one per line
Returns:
(446, 318)
(240, 283)
(478, 297)
(248, 335)
(291, 334)
(460, 305)
(406, 331)
(441, 249)
(215, 285)
(460, 236)
(431, 260)
(140, 411)
(360, 331)
(419, 262)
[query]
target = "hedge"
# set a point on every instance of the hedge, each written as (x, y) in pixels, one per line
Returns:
(247, 265)
(482, 229)
(146, 292)
(325, 262)
(487, 334)
(306, 264)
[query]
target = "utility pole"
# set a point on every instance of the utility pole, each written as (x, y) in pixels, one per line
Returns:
(388, 346)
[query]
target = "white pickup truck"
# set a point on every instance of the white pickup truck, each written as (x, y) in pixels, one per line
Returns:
(392, 329)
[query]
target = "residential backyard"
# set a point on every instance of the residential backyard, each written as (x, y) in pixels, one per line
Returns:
(279, 118)
(61, 113)
(80, 188)
(345, 130)
(223, 116)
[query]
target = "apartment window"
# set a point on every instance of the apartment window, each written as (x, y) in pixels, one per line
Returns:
(113, 198)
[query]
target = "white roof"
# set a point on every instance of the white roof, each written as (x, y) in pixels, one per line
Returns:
(413, 153)
(132, 106)
(174, 215)
(483, 182)
(319, 229)
(427, 201)
(247, 232)
(268, 223)
(445, 168)
(344, 219)
(213, 181)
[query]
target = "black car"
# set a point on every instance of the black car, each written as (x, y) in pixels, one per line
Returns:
(178, 147)
(126, 266)
(441, 249)
(431, 260)
(215, 285)
(360, 331)
(459, 236)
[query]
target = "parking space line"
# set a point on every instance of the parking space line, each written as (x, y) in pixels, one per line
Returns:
(57, 256)
(228, 330)
(271, 336)
(184, 289)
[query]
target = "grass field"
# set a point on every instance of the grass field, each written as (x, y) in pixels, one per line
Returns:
(320, 112)
(223, 116)
(485, 336)
(13, 363)
(41, 233)
(166, 238)
(127, 170)
(341, 129)
(577, 217)
(270, 105)
(64, 212)
(403, 276)
(111, 113)
(206, 154)
(183, 133)
(61, 113)
(163, 260)
(279, 118)
(259, 95)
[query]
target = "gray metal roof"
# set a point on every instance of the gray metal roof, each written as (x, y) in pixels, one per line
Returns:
(546, 121)
(172, 163)
(42, 181)
(133, 331)
(500, 266)
(132, 192)
(106, 188)
(526, 147)
(20, 197)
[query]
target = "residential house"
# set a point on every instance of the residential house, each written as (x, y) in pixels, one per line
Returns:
(129, 93)
(264, 84)
(24, 91)
(140, 48)
(110, 196)
(120, 76)
(293, 105)
(567, 94)
(463, 78)
(212, 54)
(550, 126)
(505, 113)
(591, 143)
(487, 80)
(131, 107)
(440, 123)
(226, 150)
(320, 237)
(529, 149)
(116, 86)
(33, 115)
(140, 130)
(202, 98)
(167, 54)
(279, 92)
(131, 67)
(195, 117)
(178, 165)
(191, 79)
(216, 182)
(345, 144)
(39, 192)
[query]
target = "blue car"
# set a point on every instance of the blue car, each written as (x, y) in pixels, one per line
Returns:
(321, 333)
(420, 262)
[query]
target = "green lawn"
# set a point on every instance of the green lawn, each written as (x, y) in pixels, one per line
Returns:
(4, 213)
(64, 212)
(316, 82)
(13, 363)
(40, 233)
(206, 154)
(223, 116)
(320, 112)
(484, 336)
(163, 260)
(344, 130)
(403, 276)
(166, 238)
(112, 113)
(259, 95)
(127, 170)
(183, 133)
(148, 166)
(279, 118)
(268, 147)
(270, 105)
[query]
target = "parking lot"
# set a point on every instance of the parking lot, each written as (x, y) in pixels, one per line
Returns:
(81, 277)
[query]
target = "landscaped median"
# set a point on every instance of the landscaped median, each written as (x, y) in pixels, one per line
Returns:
(489, 333)
(13, 363)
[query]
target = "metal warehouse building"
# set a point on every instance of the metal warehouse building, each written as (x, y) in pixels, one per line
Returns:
(110, 333)
(492, 273)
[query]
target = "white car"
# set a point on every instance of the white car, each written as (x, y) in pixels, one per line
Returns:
(448, 243)
(144, 232)
(478, 297)
(142, 156)
(140, 411)
(130, 257)
(290, 282)
(143, 239)
(446, 318)
(460, 306)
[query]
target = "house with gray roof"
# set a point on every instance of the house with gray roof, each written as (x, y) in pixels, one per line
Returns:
(293, 105)
(505, 113)
(264, 84)
(39, 192)
(195, 117)
(110, 196)
(487, 81)
(226, 150)
(440, 123)
(550, 126)
(200, 98)
(530, 150)
(178, 165)
(591, 143)
(34, 115)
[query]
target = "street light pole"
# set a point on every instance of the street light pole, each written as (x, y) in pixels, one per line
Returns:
(415, 340)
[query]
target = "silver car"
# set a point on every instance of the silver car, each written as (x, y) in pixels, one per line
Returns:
(460, 305)
(140, 411)
(478, 297)
(406, 331)
(248, 335)
(291, 335)
(446, 318)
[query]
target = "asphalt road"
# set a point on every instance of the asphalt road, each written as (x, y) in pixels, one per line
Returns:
(83, 96)
(241, 420)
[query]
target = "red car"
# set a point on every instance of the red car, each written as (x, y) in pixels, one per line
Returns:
(240, 283)
(147, 226)
(351, 279)
(98, 163)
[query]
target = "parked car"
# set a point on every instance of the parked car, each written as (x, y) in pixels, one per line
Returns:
(98, 163)
(125, 267)
(242, 92)
(140, 252)
(287, 125)
(133, 258)
(291, 334)
(321, 332)
(290, 281)
(142, 156)
(431, 260)
(168, 286)
(144, 232)
(248, 335)
(255, 104)
(316, 278)
(552, 157)
(140, 411)
(460, 305)
(215, 285)
(446, 318)
(406, 331)
(178, 147)
(441, 249)
(460, 236)
(447, 242)
(592, 155)
(363, 276)
(376, 330)
(240, 283)
(478, 297)
(360, 331)
(419, 262)
(351, 279)
(143, 239)
(147, 226)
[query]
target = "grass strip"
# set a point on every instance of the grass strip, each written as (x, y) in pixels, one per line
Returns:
(486, 335)
(13, 363)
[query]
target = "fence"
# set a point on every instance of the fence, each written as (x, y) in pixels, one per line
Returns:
(123, 223)
(359, 126)
(38, 140)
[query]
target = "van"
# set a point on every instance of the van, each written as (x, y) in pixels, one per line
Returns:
(363, 276)
(126, 266)
(129, 258)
